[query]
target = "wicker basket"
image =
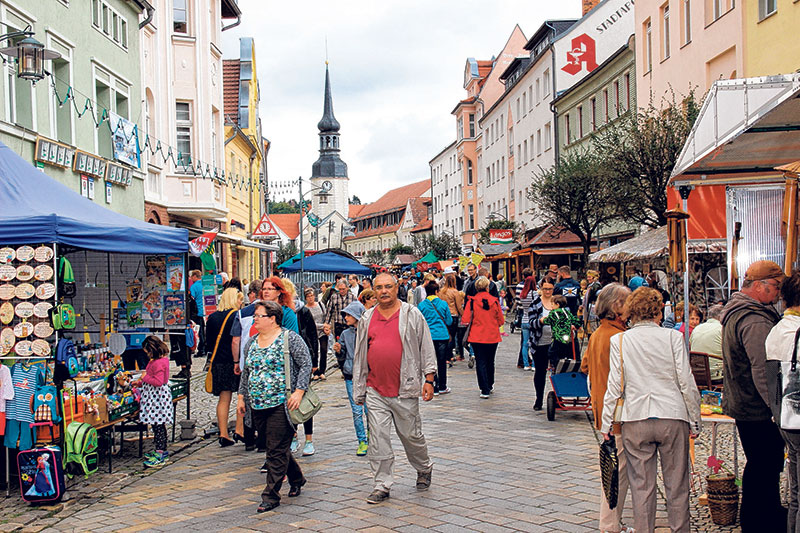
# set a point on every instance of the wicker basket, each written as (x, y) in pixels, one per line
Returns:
(723, 499)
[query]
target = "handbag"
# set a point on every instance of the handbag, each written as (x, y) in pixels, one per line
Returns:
(609, 471)
(786, 406)
(209, 378)
(465, 337)
(310, 404)
(616, 424)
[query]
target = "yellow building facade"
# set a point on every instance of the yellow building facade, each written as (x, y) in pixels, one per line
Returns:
(771, 46)
(245, 163)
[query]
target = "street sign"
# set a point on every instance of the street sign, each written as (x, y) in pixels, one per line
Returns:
(265, 229)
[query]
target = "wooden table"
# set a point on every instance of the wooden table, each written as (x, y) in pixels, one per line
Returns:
(716, 420)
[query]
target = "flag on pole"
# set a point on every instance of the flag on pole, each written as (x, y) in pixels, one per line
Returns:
(198, 246)
(476, 259)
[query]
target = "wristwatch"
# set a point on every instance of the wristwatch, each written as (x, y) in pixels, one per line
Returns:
(429, 382)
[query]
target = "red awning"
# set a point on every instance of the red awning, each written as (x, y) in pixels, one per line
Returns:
(706, 206)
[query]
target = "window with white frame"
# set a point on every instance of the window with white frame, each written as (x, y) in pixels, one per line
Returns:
(61, 120)
(548, 141)
(538, 142)
(665, 31)
(538, 91)
(110, 94)
(546, 82)
(766, 8)
(183, 133)
(648, 46)
(180, 16)
(110, 22)
(686, 20)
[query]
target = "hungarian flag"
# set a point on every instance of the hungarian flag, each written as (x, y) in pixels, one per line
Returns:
(501, 236)
(198, 246)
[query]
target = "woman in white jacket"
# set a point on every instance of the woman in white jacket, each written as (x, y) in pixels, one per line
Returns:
(779, 346)
(661, 409)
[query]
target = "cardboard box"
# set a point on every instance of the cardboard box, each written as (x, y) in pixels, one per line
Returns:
(102, 413)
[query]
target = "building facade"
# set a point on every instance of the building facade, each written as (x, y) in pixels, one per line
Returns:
(768, 21)
(183, 109)
(99, 43)
(447, 192)
(245, 160)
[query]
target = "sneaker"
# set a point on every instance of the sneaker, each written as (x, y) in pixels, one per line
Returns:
(436, 393)
(362, 449)
(155, 461)
(264, 468)
(295, 445)
(424, 480)
(526, 368)
(445, 391)
(377, 496)
(484, 396)
(308, 449)
(471, 363)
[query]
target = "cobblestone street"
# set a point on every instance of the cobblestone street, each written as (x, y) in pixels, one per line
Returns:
(499, 466)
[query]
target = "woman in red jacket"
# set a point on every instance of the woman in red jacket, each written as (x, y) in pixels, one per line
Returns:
(483, 312)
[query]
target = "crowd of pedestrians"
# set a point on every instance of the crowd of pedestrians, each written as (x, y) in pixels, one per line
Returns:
(395, 337)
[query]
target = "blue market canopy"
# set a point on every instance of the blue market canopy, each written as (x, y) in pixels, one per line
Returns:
(35, 208)
(329, 262)
(295, 257)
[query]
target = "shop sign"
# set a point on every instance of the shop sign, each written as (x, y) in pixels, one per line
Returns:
(125, 137)
(118, 174)
(501, 236)
(54, 153)
(89, 164)
(84, 185)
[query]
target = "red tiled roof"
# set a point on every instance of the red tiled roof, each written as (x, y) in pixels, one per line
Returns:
(419, 209)
(230, 90)
(553, 236)
(394, 199)
(289, 223)
(354, 210)
(423, 226)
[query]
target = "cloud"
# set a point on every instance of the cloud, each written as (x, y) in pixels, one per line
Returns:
(396, 73)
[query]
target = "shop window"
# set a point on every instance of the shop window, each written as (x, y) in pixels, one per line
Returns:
(180, 16)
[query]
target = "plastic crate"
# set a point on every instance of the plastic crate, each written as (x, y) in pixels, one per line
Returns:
(178, 387)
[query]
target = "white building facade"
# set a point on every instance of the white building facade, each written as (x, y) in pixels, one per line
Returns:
(446, 189)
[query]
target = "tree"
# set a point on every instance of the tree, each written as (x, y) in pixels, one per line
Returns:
(443, 247)
(398, 249)
(355, 200)
(375, 256)
(278, 208)
(639, 151)
(576, 196)
(484, 238)
(285, 252)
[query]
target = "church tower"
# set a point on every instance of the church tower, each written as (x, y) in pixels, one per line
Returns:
(329, 172)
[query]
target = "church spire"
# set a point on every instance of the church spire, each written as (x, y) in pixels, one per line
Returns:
(328, 124)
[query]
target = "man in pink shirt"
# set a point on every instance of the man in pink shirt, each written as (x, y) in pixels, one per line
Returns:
(394, 360)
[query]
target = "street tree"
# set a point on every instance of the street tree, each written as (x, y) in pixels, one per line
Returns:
(638, 152)
(375, 257)
(278, 208)
(355, 200)
(398, 249)
(444, 246)
(575, 196)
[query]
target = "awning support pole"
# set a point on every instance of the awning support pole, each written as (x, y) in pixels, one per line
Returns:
(684, 191)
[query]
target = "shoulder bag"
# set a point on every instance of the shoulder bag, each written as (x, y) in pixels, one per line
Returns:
(465, 337)
(609, 459)
(786, 403)
(209, 378)
(616, 424)
(310, 404)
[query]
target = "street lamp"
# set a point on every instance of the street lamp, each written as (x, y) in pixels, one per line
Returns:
(30, 54)
(326, 188)
(495, 214)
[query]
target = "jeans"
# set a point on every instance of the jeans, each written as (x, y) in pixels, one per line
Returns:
(460, 341)
(359, 412)
(527, 356)
(761, 500)
(274, 423)
(484, 365)
(540, 371)
(442, 357)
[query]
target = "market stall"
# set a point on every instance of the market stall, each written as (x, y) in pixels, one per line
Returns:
(72, 270)
(323, 266)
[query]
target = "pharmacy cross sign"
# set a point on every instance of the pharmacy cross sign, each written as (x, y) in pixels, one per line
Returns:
(265, 229)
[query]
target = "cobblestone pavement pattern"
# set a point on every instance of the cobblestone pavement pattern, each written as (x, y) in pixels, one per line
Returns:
(498, 466)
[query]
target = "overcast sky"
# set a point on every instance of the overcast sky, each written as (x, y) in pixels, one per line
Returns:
(396, 73)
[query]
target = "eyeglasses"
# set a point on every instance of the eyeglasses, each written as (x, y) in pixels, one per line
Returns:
(269, 289)
(776, 286)
(381, 287)
(261, 316)
(547, 288)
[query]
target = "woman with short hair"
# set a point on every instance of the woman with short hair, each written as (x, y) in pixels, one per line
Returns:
(661, 409)
(483, 312)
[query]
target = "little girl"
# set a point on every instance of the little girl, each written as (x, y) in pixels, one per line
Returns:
(156, 402)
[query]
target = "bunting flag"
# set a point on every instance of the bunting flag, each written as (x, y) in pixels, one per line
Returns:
(476, 259)
(198, 246)
(463, 260)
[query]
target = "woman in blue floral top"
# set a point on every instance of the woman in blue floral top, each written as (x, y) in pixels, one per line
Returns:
(262, 397)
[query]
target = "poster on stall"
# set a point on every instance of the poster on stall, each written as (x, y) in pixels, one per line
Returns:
(152, 304)
(155, 272)
(209, 286)
(174, 309)
(134, 312)
(175, 282)
(209, 304)
(134, 291)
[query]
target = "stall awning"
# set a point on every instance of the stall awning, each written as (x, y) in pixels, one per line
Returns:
(259, 245)
(329, 262)
(650, 245)
(490, 250)
(746, 127)
(36, 208)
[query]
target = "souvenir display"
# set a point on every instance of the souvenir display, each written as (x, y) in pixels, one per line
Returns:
(42, 309)
(43, 254)
(24, 348)
(7, 255)
(7, 272)
(42, 329)
(24, 272)
(40, 347)
(24, 310)
(24, 253)
(6, 312)
(7, 340)
(23, 291)
(43, 272)
(45, 291)
(6, 291)
(23, 329)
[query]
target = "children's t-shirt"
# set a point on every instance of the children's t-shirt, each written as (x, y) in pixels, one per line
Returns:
(6, 388)
(561, 321)
(25, 379)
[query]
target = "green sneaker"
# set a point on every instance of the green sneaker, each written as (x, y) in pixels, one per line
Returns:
(155, 461)
(362, 448)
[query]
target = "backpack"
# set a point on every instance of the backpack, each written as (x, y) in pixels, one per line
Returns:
(80, 447)
(62, 316)
(66, 360)
(66, 278)
(45, 405)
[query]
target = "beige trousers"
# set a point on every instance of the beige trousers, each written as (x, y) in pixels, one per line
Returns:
(610, 518)
(669, 439)
(382, 412)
